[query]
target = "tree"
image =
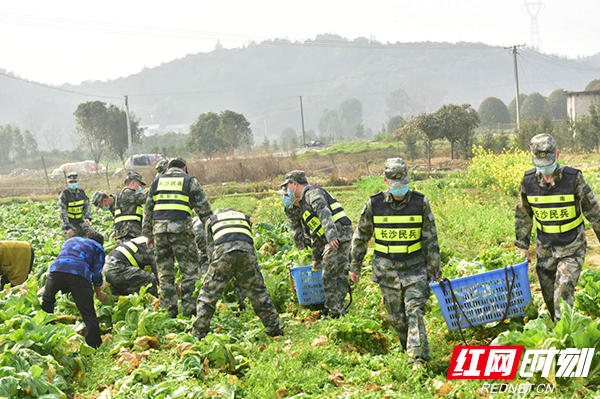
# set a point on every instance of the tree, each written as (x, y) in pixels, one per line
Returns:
(523, 136)
(457, 124)
(593, 85)
(116, 125)
(19, 152)
(350, 114)
(266, 144)
(429, 125)
(275, 145)
(564, 134)
(395, 123)
(398, 103)
(594, 121)
(6, 138)
(329, 123)
(409, 135)
(91, 127)
(203, 135)
(557, 104)
(512, 108)
(287, 136)
(493, 110)
(360, 131)
(533, 107)
(31, 145)
(545, 123)
(234, 130)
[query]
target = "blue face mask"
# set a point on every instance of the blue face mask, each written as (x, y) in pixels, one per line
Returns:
(73, 186)
(139, 190)
(291, 194)
(399, 191)
(106, 208)
(287, 200)
(547, 170)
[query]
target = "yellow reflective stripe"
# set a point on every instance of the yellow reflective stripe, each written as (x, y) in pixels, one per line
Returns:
(75, 209)
(128, 255)
(232, 230)
(230, 215)
(173, 207)
(139, 210)
(550, 214)
(550, 199)
(335, 206)
(398, 219)
(128, 218)
(397, 249)
(397, 234)
(75, 203)
(131, 246)
(140, 240)
(563, 228)
(178, 197)
(218, 225)
(72, 216)
(170, 183)
(117, 212)
(338, 216)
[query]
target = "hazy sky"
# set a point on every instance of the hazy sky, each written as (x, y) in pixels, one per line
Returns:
(71, 41)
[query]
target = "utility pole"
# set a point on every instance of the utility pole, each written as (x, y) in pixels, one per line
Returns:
(129, 141)
(302, 116)
(266, 128)
(514, 52)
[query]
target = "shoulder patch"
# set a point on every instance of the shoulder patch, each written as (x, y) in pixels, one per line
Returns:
(530, 172)
(570, 171)
(418, 194)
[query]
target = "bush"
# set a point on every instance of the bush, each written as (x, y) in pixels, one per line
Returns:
(502, 172)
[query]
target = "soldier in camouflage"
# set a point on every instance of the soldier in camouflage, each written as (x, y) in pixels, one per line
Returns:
(554, 198)
(406, 258)
(331, 235)
(230, 234)
(75, 215)
(168, 225)
(129, 208)
(161, 167)
(104, 201)
(131, 266)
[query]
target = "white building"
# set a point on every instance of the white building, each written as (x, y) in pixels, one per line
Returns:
(578, 102)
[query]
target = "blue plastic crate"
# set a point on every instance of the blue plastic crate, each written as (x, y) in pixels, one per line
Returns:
(309, 285)
(483, 296)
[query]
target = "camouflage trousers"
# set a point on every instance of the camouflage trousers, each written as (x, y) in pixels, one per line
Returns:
(405, 308)
(122, 240)
(125, 279)
(243, 266)
(204, 264)
(558, 269)
(81, 229)
(335, 278)
(181, 246)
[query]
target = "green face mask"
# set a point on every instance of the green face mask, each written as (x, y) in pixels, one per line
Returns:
(106, 208)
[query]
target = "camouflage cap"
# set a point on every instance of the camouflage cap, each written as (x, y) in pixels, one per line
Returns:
(177, 163)
(295, 175)
(162, 165)
(133, 175)
(71, 176)
(396, 172)
(97, 198)
(543, 150)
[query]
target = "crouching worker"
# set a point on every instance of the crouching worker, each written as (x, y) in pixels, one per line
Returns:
(130, 267)
(234, 256)
(406, 258)
(78, 270)
(16, 259)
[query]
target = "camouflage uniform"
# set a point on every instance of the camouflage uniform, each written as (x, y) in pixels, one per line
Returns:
(127, 201)
(78, 225)
(558, 266)
(404, 284)
(174, 239)
(130, 267)
(161, 167)
(234, 258)
(97, 198)
(335, 262)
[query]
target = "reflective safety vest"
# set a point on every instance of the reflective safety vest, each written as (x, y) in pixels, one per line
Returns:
(311, 219)
(557, 214)
(121, 216)
(171, 195)
(75, 203)
(231, 226)
(128, 250)
(397, 232)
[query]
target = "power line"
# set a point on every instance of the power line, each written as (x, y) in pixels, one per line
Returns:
(561, 62)
(542, 73)
(58, 88)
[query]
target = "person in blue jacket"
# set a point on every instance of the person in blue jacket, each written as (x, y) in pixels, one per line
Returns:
(78, 270)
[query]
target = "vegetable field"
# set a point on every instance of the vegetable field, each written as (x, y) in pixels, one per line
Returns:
(147, 355)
